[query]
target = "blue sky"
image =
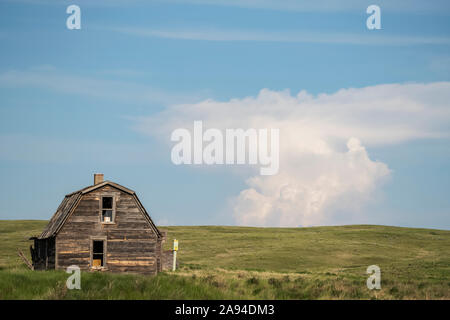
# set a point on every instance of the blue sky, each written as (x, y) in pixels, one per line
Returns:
(72, 102)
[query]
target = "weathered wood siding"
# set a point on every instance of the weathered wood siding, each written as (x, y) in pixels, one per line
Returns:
(167, 260)
(131, 244)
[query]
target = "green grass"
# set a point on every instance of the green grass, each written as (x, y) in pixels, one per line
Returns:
(254, 263)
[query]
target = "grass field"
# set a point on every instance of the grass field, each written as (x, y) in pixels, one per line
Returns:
(254, 263)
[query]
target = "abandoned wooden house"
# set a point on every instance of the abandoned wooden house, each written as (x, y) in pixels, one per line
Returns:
(101, 227)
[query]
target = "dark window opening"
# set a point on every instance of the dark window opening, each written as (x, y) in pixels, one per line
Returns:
(98, 253)
(107, 202)
(107, 209)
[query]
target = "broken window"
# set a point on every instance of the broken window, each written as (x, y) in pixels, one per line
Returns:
(98, 253)
(107, 209)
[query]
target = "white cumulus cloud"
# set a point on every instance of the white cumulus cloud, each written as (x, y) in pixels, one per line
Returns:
(310, 190)
(326, 174)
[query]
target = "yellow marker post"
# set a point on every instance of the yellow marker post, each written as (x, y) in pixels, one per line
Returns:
(175, 249)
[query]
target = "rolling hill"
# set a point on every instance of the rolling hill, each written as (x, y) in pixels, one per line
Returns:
(218, 262)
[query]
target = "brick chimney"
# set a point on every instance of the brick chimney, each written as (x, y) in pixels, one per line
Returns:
(98, 178)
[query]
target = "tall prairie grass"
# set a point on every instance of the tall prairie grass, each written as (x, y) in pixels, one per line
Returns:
(254, 263)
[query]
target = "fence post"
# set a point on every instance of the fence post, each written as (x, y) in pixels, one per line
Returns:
(175, 249)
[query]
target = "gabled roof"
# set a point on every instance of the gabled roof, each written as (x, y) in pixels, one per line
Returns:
(71, 200)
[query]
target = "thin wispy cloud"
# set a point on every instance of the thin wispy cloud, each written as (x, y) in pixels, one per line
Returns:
(123, 72)
(26, 148)
(435, 6)
(49, 78)
(324, 5)
(288, 36)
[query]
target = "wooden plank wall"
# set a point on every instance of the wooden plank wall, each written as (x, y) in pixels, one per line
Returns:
(131, 246)
(167, 260)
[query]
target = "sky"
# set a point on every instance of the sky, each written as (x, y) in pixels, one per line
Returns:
(363, 114)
